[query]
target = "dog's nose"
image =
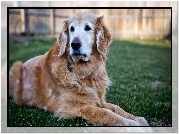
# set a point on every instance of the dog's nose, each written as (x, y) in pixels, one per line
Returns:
(76, 44)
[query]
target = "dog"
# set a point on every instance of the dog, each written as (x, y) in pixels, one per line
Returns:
(70, 79)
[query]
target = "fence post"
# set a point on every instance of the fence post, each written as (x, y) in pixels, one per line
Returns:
(52, 21)
(136, 22)
(124, 22)
(24, 21)
(144, 17)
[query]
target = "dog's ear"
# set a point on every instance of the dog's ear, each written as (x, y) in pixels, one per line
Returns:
(103, 36)
(62, 40)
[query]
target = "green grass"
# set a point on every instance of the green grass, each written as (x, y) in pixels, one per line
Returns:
(139, 69)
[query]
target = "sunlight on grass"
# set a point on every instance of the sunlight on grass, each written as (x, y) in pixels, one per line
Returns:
(153, 42)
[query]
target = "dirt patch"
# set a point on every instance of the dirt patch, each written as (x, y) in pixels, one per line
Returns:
(156, 84)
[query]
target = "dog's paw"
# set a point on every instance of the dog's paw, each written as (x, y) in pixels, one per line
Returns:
(129, 122)
(142, 121)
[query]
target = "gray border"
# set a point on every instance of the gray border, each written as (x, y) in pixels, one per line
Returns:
(172, 129)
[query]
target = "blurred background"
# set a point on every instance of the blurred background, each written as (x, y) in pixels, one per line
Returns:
(123, 23)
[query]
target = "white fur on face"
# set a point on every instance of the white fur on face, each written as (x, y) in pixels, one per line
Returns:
(86, 39)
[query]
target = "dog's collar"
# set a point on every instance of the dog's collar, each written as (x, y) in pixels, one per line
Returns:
(69, 66)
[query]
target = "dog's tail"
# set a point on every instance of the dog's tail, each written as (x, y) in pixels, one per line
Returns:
(15, 82)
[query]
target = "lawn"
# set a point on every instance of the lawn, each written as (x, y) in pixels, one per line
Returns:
(139, 69)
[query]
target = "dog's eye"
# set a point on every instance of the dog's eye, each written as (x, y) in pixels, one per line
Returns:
(72, 29)
(87, 28)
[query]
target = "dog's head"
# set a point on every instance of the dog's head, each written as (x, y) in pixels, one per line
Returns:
(81, 32)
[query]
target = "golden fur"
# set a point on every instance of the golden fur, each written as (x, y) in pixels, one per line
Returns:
(56, 83)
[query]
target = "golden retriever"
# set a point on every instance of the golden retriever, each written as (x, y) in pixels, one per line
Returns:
(70, 79)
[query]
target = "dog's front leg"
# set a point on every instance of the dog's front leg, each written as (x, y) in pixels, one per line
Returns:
(116, 109)
(105, 117)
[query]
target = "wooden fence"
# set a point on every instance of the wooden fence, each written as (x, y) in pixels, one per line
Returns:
(123, 23)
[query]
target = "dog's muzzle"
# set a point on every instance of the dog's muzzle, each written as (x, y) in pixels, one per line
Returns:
(77, 53)
(76, 45)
